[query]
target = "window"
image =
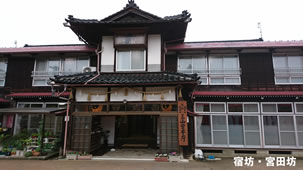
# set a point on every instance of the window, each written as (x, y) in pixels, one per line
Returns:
(130, 52)
(299, 121)
(244, 124)
(299, 108)
(288, 69)
(277, 108)
(131, 60)
(30, 122)
(74, 65)
(3, 67)
(213, 70)
(47, 67)
(129, 39)
(228, 130)
(224, 70)
(279, 130)
(243, 107)
(209, 107)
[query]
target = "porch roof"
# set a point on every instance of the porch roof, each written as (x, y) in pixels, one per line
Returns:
(134, 78)
(35, 94)
(33, 110)
(247, 93)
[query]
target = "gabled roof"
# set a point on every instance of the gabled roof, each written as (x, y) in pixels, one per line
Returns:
(48, 49)
(131, 8)
(90, 31)
(115, 79)
(233, 45)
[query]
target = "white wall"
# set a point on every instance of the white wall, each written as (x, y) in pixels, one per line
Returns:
(108, 54)
(169, 94)
(154, 49)
(118, 94)
(96, 94)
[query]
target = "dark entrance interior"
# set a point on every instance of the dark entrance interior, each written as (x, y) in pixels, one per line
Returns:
(139, 131)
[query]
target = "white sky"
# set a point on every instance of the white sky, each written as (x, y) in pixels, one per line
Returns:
(38, 22)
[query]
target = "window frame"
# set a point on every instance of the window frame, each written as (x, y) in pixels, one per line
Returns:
(224, 75)
(297, 145)
(287, 74)
(277, 112)
(228, 145)
(210, 103)
(243, 111)
(45, 78)
(207, 75)
(130, 70)
(192, 69)
(295, 107)
(3, 75)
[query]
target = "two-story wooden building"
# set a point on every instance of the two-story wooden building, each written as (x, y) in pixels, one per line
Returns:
(135, 77)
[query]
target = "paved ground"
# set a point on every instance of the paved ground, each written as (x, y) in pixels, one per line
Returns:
(225, 164)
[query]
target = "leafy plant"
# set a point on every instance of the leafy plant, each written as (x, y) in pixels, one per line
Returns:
(28, 154)
(38, 149)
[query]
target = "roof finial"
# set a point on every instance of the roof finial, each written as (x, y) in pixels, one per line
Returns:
(131, 3)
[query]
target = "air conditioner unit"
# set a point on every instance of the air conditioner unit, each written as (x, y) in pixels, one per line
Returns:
(88, 69)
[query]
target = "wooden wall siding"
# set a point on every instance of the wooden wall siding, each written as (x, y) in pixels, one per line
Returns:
(19, 71)
(257, 70)
(171, 63)
(93, 60)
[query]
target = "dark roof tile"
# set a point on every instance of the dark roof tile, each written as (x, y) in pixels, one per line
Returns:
(126, 78)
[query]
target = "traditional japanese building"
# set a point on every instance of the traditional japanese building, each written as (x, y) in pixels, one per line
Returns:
(136, 83)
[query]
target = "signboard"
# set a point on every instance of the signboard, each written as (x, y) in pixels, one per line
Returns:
(182, 123)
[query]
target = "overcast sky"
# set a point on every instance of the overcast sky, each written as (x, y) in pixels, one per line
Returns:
(38, 22)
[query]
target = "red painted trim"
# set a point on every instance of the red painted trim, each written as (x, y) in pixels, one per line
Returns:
(47, 49)
(248, 93)
(36, 94)
(4, 100)
(225, 45)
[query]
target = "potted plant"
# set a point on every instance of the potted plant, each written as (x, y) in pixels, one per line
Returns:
(20, 148)
(37, 151)
(85, 156)
(71, 155)
(13, 151)
(28, 154)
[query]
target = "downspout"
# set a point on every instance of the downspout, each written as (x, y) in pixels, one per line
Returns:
(98, 51)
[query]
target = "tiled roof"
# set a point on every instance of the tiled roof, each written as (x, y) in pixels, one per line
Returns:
(35, 95)
(234, 44)
(131, 7)
(181, 17)
(46, 49)
(126, 78)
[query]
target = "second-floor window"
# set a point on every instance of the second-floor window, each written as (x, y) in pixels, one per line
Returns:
(288, 69)
(213, 70)
(130, 60)
(47, 67)
(3, 67)
(130, 52)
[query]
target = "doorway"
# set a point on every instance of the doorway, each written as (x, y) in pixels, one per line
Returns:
(136, 131)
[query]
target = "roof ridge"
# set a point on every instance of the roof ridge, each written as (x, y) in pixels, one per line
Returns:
(52, 45)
